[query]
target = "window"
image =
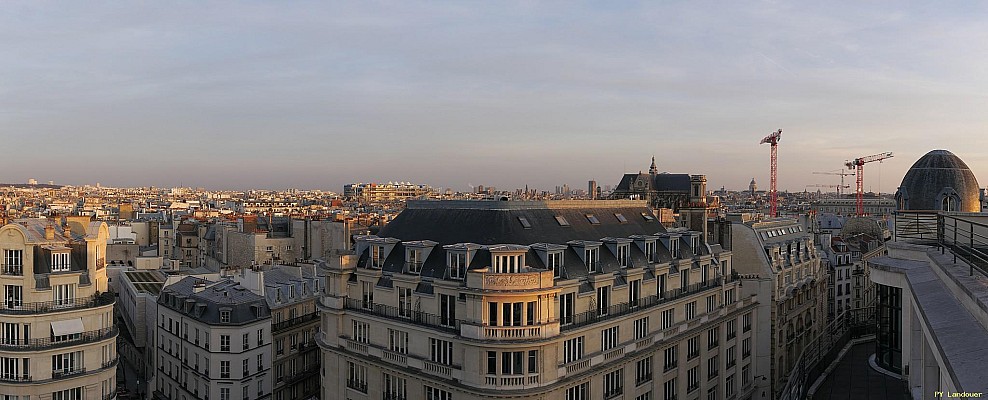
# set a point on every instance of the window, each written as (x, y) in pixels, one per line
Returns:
(745, 347)
(731, 356)
(643, 371)
(65, 363)
(661, 287)
(533, 361)
(432, 393)
(745, 375)
(13, 296)
(712, 367)
(573, 349)
(260, 337)
(394, 387)
(669, 389)
(457, 263)
(648, 217)
(524, 223)
(712, 393)
(447, 310)
(729, 386)
(693, 347)
(377, 256)
(554, 261)
(356, 377)
(260, 362)
(508, 264)
(731, 329)
(579, 392)
(603, 300)
(641, 327)
(650, 251)
(224, 342)
(60, 262)
(224, 369)
(746, 322)
(593, 219)
(613, 383)
(668, 318)
(440, 351)
(711, 303)
(623, 252)
(404, 302)
(63, 295)
(690, 310)
(566, 307)
(67, 394)
(713, 337)
(591, 256)
(562, 221)
(398, 341)
(414, 259)
(361, 332)
(674, 247)
(692, 379)
(609, 338)
(671, 358)
(225, 393)
(246, 365)
(246, 341)
(13, 262)
(511, 363)
(225, 316)
(729, 296)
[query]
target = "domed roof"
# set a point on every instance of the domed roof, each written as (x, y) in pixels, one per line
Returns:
(939, 181)
(857, 225)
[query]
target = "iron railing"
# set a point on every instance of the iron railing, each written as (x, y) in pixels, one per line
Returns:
(283, 325)
(404, 314)
(49, 343)
(616, 310)
(12, 269)
(965, 234)
(14, 307)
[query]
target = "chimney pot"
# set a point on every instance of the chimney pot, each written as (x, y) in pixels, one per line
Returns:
(49, 232)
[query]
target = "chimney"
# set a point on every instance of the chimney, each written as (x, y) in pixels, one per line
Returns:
(49, 231)
(67, 231)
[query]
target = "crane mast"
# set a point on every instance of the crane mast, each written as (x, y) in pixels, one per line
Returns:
(773, 140)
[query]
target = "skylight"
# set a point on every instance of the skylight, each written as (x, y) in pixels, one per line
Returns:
(524, 222)
(648, 217)
(562, 221)
(593, 219)
(621, 218)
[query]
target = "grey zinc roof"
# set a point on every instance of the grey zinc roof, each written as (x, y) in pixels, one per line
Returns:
(244, 306)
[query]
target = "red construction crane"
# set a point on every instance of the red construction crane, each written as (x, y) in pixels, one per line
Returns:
(842, 174)
(773, 140)
(858, 163)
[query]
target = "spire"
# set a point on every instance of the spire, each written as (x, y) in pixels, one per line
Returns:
(652, 170)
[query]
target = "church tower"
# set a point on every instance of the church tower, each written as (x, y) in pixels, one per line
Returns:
(694, 215)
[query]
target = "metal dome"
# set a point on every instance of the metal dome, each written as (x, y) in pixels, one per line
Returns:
(939, 181)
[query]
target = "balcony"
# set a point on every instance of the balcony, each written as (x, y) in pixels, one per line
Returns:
(12, 269)
(65, 373)
(409, 316)
(293, 322)
(617, 310)
(535, 279)
(48, 343)
(15, 378)
(360, 386)
(13, 307)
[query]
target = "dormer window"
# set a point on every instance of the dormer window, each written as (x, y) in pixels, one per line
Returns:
(60, 262)
(674, 247)
(277, 295)
(650, 251)
(457, 263)
(623, 252)
(291, 292)
(508, 263)
(225, 316)
(414, 259)
(554, 261)
(695, 243)
(377, 256)
(591, 255)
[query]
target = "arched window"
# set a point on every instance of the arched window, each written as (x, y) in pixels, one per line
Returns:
(949, 203)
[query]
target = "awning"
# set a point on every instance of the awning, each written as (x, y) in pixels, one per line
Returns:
(66, 327)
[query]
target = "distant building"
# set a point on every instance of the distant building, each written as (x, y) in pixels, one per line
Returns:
(384, 192)
(939, 181)
(662, 190)
(879, 207)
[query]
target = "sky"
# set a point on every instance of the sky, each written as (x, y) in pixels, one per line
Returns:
(313, 95)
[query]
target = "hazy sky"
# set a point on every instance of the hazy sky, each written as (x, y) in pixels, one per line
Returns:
(314, 95)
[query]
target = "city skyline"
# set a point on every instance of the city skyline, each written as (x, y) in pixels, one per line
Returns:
(316, 96)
